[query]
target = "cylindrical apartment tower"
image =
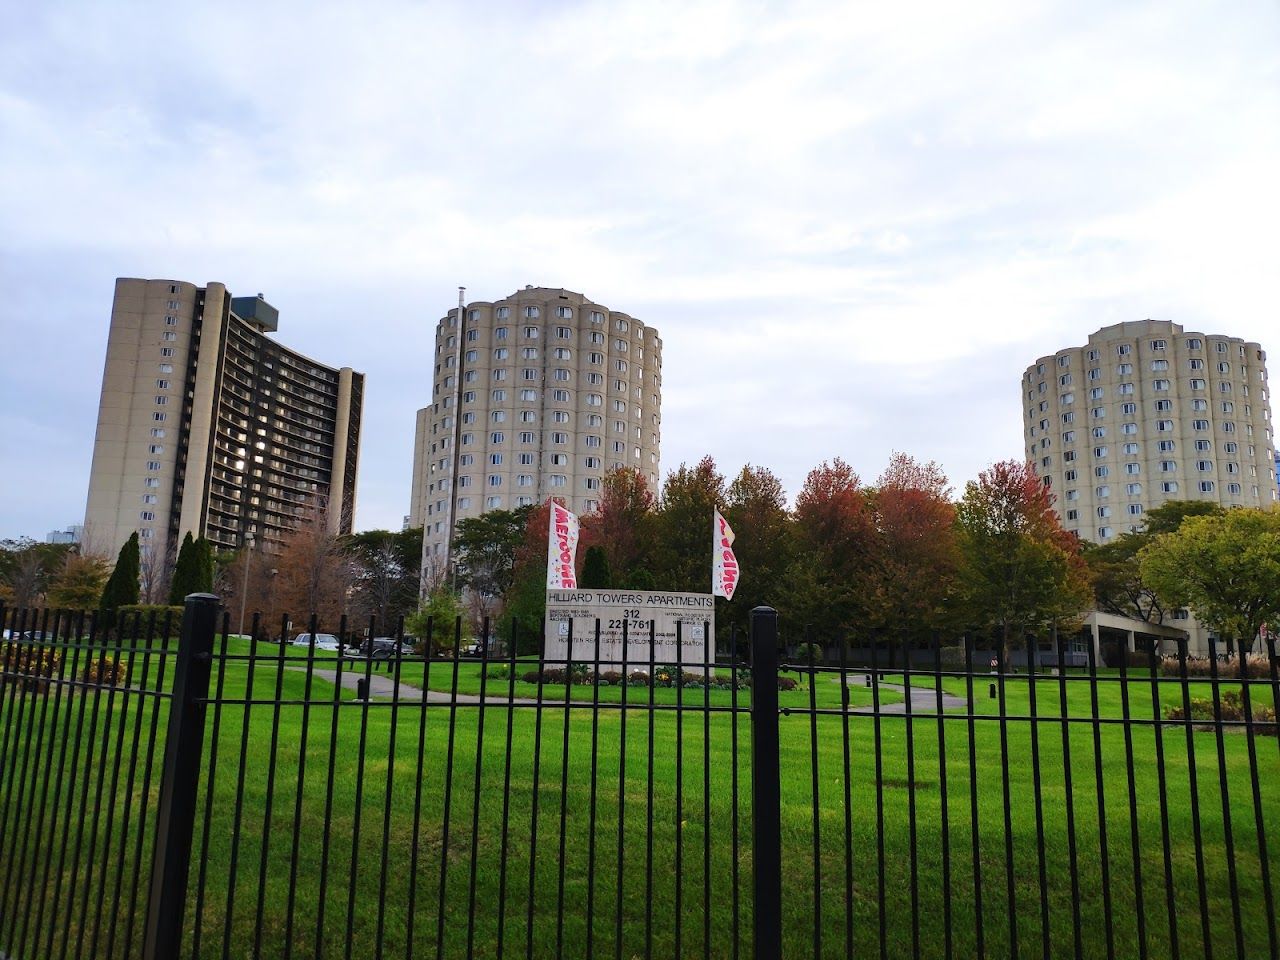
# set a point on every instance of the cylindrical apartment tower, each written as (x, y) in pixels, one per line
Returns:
(1145, 413)
(537, 395)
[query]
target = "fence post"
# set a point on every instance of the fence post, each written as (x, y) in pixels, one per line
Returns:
(766, 817)
(183, 749)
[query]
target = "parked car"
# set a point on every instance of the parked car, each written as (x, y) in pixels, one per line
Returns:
(380, 648)
(324, 641)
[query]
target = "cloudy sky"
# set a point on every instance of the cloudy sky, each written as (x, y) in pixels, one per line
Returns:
(853, 224)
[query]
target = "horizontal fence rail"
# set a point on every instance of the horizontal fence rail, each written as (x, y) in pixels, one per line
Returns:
(409, 800)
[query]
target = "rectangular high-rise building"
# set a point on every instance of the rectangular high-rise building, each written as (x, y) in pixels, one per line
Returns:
(208, 425)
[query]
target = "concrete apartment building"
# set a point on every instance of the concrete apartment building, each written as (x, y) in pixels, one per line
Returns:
(535, 395)
(208, 425)
(1144, 413)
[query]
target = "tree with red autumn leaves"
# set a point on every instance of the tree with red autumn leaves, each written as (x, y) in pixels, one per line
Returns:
(916, 557)
(1021, 572)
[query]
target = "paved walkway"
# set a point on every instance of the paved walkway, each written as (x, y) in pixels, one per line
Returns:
(383, 687)
(923, 699)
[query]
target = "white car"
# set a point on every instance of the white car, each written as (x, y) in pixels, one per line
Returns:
(324, 641)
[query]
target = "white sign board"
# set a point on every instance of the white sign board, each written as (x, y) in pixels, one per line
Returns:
(642, 612)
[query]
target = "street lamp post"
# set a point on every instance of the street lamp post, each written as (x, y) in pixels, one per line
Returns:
(244, 587)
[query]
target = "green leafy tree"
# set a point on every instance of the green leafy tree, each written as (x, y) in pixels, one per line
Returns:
(756, 508)
(386, 574)
(434, 622)
(1118, 584)
(486, 548)
(684, 527)
(1224, 566)
(1020, 571)
(193, 572)
(595, 569)
(121, 589)
(526, 597)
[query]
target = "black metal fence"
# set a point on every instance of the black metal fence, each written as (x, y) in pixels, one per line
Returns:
(175, 790)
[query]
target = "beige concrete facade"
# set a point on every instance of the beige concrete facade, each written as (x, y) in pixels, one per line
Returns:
(207, 425)
(551, 392)
(1144, 413)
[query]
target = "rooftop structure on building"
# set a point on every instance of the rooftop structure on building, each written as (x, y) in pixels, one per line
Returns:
(210, 426)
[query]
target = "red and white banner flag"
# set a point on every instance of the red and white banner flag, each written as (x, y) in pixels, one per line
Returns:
(562, 549)
(724, 565)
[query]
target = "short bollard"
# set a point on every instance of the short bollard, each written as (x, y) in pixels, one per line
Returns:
(991, 691)
(362, 689)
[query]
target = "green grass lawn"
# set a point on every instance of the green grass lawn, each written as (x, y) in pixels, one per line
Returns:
(671, 819)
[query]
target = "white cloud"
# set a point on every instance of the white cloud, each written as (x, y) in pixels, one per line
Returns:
(879, 213)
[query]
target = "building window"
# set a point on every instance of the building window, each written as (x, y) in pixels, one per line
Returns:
(556, 480)
(1099, 453)
(1098, 413)
(1128, 429)
(1102, 471)
(497, 437)
(1135, 509)
(1129, 409)
(159, 417)
(1206, 486)
(1164, 426)
(593, 441)
(529, 353)
(1069, 436)
(560, 416)
(1098, 432)
(1132, 468)
(157, 432)
(531, 312)
(493, 503)
(1133, 489)
(1160, 385)
(464, 481)
(495, 480)
(1073, 514)
(1168, 466)
(1073, 495)
(1158, 344)
(1233, 488)
(169, 335)
(1169, 486)
(1126, 389)
(528, 416)
(152, 482)
(1068, 417)
(1095, 373)
(1130, 449)
(1200, 424)
(1097, 393)
(527, 436)
(1104, 512)
(1123, 350)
